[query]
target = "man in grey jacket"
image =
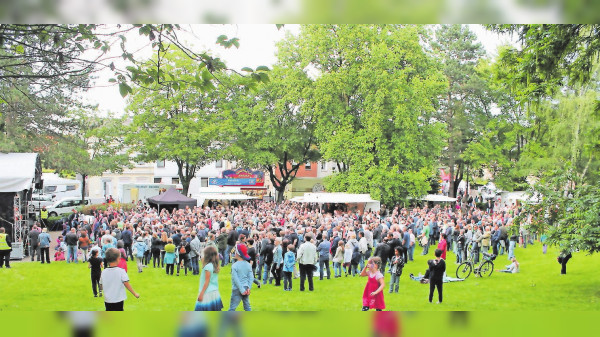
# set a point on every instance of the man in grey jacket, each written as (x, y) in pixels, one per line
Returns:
(34, 243)
(195, 253)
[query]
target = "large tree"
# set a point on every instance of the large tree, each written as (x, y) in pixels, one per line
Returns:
(466, 106)
(96, 147)
(374, 100)
(273, 128)
(177, 118)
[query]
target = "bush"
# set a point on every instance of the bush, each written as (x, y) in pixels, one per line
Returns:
(87, 210)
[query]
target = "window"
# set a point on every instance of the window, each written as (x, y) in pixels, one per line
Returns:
(307, 166)
(71, 188)
(157, 180)
(160, 163)
(50, 189)
(219, 163)
(323, 166)
(175, 181)
(204, 182)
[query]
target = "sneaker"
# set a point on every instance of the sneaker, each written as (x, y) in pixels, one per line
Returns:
(259, 286)
(95, 295)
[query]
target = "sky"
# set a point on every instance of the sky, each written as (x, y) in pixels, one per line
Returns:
(257, 47)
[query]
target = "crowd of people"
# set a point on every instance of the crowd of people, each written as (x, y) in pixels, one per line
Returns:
(273, 242)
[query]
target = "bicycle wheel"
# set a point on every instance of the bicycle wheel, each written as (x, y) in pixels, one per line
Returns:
(464, 270)
(487, 268)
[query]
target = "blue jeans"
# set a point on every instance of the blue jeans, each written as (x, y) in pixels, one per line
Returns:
(261, 264)
(227, 254)
(236, 298)
(511, 249)
(361, 263)
(425, 249)
(267, 270)
(337, 269)
(394, 283)
(324, 264)
(195, 268)
(411, 252)
(71, 254)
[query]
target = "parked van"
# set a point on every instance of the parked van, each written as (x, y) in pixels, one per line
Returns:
(65, 205)
(40, 200)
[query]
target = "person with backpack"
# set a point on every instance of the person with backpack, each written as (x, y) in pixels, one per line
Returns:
(396, 267)
(139, 249)
(184, 250)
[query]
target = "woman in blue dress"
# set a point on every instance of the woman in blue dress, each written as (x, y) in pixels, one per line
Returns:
(209, 298)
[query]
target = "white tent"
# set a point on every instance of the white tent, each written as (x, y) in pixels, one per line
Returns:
(339, 198)
(438, 198)
(220, 196)
(18, 171)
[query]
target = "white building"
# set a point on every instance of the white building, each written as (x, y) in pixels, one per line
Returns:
(165, 172)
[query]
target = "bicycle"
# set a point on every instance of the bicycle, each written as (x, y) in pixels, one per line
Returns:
(485, 267)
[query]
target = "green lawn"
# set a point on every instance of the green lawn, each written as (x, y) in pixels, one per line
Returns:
(61, 286)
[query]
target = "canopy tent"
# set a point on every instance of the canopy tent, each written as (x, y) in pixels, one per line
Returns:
(438, 198)
(19, 171)
(522, 196)
(171, 199)
(339, 198)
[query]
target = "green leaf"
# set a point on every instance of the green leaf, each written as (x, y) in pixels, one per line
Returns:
(124, 89)
(112, 80)
(19, 49)
(262, 68)
(248, 69)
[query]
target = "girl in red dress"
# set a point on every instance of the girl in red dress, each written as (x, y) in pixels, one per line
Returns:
(373, 294)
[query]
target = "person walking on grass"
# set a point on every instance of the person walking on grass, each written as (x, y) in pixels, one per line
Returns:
(139, 251)
(338, 259)
(396, 266)
(289, 261)
(45, 240)
(95, 266)
(241, 279)
(307, 258)
(114, 282)
(437, 268)
(5, 248)
(170, 257)
(209, 298)
(373, 293)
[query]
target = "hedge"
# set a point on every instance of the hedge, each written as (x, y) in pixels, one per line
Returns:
(87, 210)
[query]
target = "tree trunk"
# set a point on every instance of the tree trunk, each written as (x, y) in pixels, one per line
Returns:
(83, 178)
(280, 194)
(186, 173)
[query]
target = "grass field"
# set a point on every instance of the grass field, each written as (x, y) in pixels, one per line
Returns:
(60, 286)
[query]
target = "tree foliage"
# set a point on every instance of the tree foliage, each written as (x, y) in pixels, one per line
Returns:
(465, 108)
(178, 120)
(373, 99)
(273, 127)
(568, 211)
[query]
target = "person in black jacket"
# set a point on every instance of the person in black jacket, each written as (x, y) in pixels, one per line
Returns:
(437, 268)
(232, 238)
(155, 250)
(383, 251)
(268, 256)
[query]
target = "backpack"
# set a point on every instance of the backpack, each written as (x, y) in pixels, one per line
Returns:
(355, 255)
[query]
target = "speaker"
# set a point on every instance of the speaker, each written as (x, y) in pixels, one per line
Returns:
(40, 185)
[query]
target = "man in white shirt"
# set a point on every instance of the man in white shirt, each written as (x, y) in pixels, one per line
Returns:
(307, 257)
(363, 246)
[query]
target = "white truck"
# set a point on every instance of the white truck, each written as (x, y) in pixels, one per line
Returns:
(131, 192)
